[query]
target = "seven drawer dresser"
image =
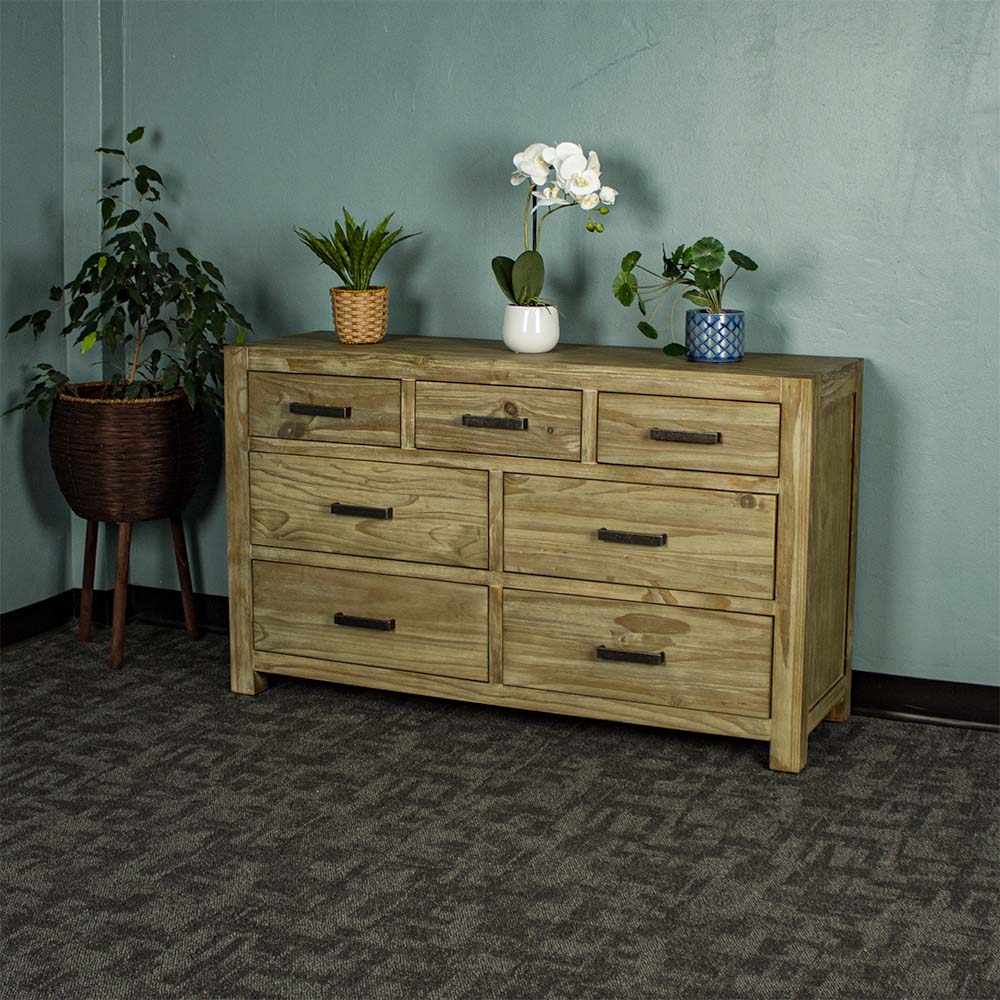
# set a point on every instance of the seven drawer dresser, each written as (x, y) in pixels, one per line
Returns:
(597, 531)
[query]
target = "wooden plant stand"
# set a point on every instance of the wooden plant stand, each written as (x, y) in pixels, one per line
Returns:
(121, 584)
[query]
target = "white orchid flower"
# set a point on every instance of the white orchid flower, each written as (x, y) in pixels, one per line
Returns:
(571, 165)
(589, 201)
(530, 163)
(561, 153)
(608, 195)
(518, 178)
(582, 182)
(593, 162)
(551, 195)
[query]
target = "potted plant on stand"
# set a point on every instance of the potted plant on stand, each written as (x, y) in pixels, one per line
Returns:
(558, 177)
(360, 309)
(129, 447)
(712, 333)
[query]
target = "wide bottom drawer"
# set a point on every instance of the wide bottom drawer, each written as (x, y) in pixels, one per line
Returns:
(422, 626)
(678, 657)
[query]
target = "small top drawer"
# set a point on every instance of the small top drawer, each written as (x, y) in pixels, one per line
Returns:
(347, 409)
(672, 432)
(498, 420)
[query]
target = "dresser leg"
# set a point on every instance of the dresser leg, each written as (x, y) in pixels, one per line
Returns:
(245, 680)
(790, 749)
(841, 712)
(121, 593)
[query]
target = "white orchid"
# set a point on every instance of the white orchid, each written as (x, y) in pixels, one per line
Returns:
(563, 151)
(559, 176)
(531, 164)
(551, 195)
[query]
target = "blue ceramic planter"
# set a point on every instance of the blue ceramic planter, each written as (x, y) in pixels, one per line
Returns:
(715, 337)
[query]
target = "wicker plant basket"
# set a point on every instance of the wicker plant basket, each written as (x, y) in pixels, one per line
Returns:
(125, 460)
(360, 317)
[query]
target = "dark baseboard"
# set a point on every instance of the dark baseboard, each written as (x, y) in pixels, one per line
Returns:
(917, 699)
(887, 696)
(35, 618)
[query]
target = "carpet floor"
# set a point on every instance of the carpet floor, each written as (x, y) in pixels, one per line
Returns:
(163, 838)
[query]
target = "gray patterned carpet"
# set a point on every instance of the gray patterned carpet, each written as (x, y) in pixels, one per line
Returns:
(165, 839)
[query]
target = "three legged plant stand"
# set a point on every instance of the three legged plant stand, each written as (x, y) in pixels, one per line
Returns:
(121, 584)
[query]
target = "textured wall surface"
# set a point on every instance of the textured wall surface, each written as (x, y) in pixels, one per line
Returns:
(34, 520)
(850, 147)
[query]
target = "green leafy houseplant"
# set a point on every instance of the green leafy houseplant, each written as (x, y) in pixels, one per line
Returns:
(161, 317)
(696, 268)
(352, 251)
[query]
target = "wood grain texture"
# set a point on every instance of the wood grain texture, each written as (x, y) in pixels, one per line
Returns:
(521, 581)
(440, 628)
(588, 447)
(374, 403)
(407, 398)
(339, 672)
(829, 547)
(552, 415)
(834, 695)
(570, 366)
(748, 431)
(460, 460)
(755, 556)
(438, 515)
(713, 661)
(717, 542)
(841, 710)
(789, 731)
(243, 678)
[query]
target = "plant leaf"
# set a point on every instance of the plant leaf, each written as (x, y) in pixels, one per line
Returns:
(528, 277)
(625, 287)
(503, 268)
(127, 218)
(707, 281)
(675, 350)
(742, 260)
(698, 300)
(136, 134)
(647, 330)
(707, 254)
(111, 150)
(630, 260)
(159, 218)
(88, 342)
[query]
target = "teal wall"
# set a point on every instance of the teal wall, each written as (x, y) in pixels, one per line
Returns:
(850, 147)
(34, 520)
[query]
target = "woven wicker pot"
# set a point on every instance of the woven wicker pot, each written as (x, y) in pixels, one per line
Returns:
(360, 317)
(125, 460)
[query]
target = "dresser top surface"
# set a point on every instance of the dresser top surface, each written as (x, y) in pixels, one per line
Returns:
(479, 354)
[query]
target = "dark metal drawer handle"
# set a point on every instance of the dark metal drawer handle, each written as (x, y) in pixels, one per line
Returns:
(625, 656)
(629, 537)
(351, 621)
(313, 410)
(498, 423)
(685, 437)
(347, 510)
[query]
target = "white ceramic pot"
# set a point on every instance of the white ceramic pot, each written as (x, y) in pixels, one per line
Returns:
(531, 329)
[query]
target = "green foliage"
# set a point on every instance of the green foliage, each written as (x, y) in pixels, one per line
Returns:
(351, 251)
(696, 268)
(521, 280)
(132, 292)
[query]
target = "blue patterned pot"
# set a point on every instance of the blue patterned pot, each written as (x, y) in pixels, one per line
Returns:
(711, 336)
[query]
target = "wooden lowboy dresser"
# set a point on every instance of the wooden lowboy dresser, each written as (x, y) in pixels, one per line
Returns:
(598, 531)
